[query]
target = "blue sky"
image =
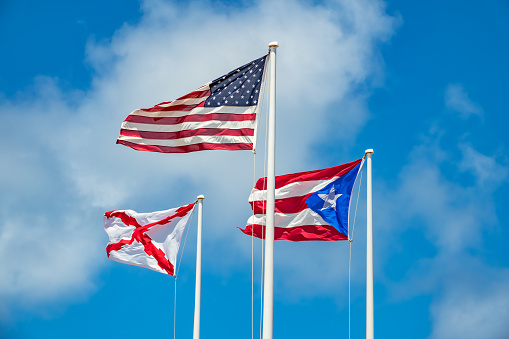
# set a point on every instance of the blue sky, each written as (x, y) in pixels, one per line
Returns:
(423, 84)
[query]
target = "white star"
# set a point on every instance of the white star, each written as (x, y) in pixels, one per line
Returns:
(329, 199)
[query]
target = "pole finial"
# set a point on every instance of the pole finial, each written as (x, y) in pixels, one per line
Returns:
(200, 197)
(369, 150)
(273, 44)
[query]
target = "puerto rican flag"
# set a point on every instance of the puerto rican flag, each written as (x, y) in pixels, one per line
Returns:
(220, 115)
(310, 205)
(149, 240)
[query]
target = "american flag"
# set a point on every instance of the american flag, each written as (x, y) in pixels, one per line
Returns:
(220, 115)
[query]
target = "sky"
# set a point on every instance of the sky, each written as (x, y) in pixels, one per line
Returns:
(422, 83)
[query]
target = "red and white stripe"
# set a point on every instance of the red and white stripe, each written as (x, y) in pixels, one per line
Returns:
(185, 125)
(293, 219)
(149, 240)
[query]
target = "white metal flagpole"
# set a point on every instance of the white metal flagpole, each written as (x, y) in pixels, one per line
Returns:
(197, 292)
(268, 283)
(370, 327)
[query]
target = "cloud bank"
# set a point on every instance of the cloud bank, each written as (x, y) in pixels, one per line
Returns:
(443, 205)
(62, 169)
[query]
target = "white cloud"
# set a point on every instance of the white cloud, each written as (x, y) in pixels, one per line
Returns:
(474, 305)
(451, 219)
(456, 99)
(65, 169)
(485, 169)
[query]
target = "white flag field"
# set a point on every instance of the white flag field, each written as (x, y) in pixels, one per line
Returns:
(149, 240)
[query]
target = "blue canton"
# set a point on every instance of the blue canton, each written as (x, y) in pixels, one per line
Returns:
(240, 87)
(333, 201)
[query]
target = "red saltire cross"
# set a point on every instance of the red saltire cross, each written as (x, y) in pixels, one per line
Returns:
(140, 235)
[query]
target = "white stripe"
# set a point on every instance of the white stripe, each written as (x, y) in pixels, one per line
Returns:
(303, 218)
(219, 139)
(197, 110)
(295, 189)
(188, 126)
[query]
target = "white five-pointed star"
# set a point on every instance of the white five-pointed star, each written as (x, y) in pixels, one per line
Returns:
(329, 199)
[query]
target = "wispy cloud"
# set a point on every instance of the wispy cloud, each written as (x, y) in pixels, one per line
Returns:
(474, 302)
(452, 218)
(457, 99)
(486, 169)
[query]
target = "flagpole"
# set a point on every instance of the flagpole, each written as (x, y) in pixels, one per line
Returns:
(268, 284)
(370, 326)
(197, 295)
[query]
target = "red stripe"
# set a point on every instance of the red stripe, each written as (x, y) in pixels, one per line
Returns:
(191, 118)
(180, 212)
(131, 221)
(301, 233)
(156, 253)
(195, 94)
(182, 108)
(321, 174)
(286, 205)
(192, 95)
(149, 248)
(118, 245)
(187, 133)
(126, 219)
(189, 148)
